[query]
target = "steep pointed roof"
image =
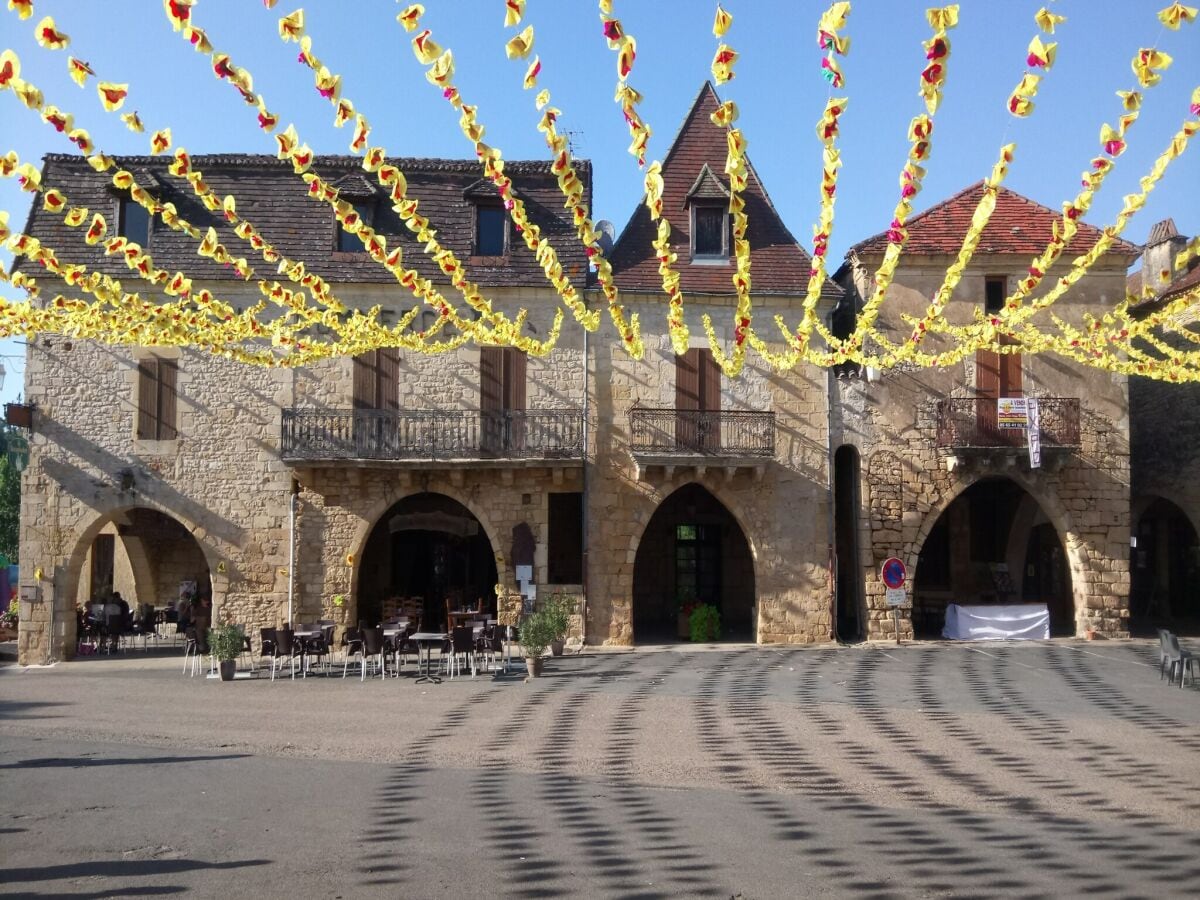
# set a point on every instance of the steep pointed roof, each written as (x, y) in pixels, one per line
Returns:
(779, 265)
(1018, 225)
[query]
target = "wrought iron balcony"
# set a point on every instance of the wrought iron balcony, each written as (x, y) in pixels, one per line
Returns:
(971, 422)
(315, 435)
(728, 433)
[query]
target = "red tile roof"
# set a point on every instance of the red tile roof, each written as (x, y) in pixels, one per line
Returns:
(1018, 225)
(778, 264)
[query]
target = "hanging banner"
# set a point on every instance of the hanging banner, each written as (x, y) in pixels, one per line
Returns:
(1012, 412)
(1034, 433)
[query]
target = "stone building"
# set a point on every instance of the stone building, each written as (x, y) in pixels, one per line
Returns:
(1164, 437)
(926, 472)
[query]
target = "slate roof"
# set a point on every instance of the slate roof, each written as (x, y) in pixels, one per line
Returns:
(275, 200)
(778, 264)
(1018, 225)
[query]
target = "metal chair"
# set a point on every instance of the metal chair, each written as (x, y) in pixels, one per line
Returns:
(1176, 658)
(285, 648)
(191, 648)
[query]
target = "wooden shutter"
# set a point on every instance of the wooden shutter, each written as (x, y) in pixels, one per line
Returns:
(387, 387)
(710, 401)
(687, 400)
(1010, 373)
(364, 380)
(168, 380)
(987, 385)
(491, 398)
(147, 399)
(515, 362)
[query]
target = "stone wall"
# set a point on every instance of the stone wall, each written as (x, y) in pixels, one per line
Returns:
(907, 481)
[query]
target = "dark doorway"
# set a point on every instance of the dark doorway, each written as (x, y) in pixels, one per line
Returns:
(1164, 571)
(992, 545)
(693, 551)
(427, 550)
(847, 504)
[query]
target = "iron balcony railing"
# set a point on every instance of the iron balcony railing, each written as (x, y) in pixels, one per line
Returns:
(711, 433)
(966, 422)
(430, 434)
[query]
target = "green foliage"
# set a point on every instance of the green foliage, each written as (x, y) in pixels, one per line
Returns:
(537, 633)
(226, 641)
(10, 509)
(705, 623)
(558, 610)
(9, 616)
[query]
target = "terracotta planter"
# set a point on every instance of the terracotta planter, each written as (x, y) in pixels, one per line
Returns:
(1090, 634)
(556, 648)
(228, 667)
(683, 626)
(534, 665)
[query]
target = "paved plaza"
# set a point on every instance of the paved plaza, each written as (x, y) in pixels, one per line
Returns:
(1041, 769)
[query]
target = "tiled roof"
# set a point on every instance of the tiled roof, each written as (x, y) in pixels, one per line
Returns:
(275, 200)
(778, 264)
(1018, 225)
(1162, 231)
(707, 187)
(1185, 282)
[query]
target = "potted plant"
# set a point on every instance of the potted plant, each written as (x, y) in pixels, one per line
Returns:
(705, 623)
(558, 614)
(683, 622)
(537, 632)
(226, 643)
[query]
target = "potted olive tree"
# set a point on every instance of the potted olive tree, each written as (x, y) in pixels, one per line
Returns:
(226, 643)
(558, 613)
(537, 633)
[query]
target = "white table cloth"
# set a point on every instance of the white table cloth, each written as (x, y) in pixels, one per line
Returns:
(1014, 622)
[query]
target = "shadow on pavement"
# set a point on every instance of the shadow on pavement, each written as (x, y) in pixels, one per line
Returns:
(81, 762)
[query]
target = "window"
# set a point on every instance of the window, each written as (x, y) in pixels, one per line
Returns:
(156, 399)
(377, 379)
(710, 232)
(697, 401)
(491, 226)
(502, 373)
(348, 242)
(564, 555)
(994, 289)
(133, 222)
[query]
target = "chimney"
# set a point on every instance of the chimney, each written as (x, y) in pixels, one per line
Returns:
(1164, 243)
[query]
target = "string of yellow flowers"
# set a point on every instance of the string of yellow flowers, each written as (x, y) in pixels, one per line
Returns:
(625, 46)
(290, 147)
(735, 167)
(920, 130)
(834, 43)
(440, 73)
(505, 331)
(571, 187)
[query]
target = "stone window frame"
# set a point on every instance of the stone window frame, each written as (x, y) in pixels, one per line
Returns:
(710, 259)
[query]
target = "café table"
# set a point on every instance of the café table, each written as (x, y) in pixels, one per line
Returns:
(425, 641)
(305, 636)
(462, 616)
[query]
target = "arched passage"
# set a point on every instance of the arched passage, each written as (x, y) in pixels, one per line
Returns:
(992, 544)
(692, 551)
(146, 555)
(426, 551)
(1165, 569)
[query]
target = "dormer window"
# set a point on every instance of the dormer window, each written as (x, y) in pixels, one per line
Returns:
(491, 230)
(347, 241)
(133, 222)
(708, 204)
(710, 232)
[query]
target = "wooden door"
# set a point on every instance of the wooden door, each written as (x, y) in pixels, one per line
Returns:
(687, 401)
(376, 393)
(710, 402)
(996, 375)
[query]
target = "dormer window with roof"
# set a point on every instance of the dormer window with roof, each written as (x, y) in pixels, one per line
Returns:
(708, 205)
(491, 219)
(348, 242)
(359, 193)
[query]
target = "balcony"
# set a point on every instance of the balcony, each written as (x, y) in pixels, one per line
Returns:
(702, 439)
(437, 437)
(970, 423)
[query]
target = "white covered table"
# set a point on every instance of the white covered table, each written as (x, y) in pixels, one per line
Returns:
(994, 622)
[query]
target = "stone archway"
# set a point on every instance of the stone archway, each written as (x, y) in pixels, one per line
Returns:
(161, 551)
(423, 551)
(992, 540)
(693, 549)
(1164, 569)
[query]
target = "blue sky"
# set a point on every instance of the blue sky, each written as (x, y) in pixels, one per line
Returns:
(779, 89)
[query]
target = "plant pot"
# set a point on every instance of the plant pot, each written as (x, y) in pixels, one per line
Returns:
(228, 667)
(1090, 634)
(556, 648)
(683, 626)
(534, 665)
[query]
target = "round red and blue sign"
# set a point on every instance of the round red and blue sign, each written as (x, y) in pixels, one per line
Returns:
(893, 572)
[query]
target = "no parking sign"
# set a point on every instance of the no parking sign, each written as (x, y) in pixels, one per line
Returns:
(894, 575)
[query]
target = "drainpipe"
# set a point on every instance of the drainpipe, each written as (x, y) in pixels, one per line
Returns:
(584, 473)
(295, 499)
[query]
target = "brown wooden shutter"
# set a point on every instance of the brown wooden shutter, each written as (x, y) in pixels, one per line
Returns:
(364, 380)
(1010, 373)
(147, 399)
(388, 384)
(168, 429)
(687, 380)
(710, 381)
(515, 373)
(491, 399)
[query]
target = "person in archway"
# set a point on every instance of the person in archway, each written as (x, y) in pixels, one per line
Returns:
(201, 620)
